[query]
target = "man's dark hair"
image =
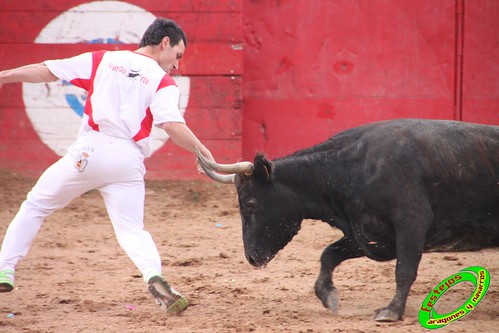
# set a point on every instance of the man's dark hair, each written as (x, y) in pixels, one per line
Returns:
(161, 28)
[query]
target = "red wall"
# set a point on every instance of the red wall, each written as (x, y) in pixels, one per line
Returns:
(313, 69)
(480, 62)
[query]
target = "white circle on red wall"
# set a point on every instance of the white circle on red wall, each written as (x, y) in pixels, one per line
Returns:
(55, 109)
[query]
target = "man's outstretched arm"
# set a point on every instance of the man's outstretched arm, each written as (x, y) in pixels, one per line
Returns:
(34, 73)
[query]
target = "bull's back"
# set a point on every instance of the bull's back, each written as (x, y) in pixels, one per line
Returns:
(451, 152)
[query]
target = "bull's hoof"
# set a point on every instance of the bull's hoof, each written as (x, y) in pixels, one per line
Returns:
(386, 315)
(332, 300)
(327, 293)
(328, 296)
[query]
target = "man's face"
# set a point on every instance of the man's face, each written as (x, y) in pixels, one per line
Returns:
(170, 55)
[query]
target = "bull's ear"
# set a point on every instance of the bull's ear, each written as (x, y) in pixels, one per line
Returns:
(264, 168)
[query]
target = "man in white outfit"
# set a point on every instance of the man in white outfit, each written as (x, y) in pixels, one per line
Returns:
(128, 93)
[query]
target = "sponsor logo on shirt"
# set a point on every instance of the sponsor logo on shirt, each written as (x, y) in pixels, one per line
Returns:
(132, 74)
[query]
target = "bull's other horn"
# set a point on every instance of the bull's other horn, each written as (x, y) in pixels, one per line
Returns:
(226, 179)
(239, 167)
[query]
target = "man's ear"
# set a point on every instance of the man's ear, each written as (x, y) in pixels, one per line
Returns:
(165, 42)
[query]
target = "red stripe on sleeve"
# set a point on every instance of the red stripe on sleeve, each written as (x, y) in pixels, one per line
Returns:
(165, 82)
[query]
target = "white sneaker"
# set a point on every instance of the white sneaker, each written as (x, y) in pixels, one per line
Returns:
(168, 298)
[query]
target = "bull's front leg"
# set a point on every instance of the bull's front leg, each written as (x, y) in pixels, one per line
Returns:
(332, 256)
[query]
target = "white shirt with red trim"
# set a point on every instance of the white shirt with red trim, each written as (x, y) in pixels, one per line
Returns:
(127, 93)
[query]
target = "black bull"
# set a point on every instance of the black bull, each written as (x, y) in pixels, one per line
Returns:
(396, 189)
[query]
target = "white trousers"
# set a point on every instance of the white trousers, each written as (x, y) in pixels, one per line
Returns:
(113, 166)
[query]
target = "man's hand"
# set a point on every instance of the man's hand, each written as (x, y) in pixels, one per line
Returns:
(198, 166)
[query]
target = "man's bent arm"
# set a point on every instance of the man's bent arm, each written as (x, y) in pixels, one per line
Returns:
(183, 137)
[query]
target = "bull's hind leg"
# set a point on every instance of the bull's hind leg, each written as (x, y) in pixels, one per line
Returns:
(410, 244)
(331, 257)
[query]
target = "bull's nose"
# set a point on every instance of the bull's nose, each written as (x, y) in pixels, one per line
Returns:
(252, 261)
(256, 261)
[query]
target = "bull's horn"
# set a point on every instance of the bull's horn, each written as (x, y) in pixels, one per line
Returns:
(226, 179)
(239, 167)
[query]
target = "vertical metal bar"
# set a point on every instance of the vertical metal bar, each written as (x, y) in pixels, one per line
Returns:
(459, 44)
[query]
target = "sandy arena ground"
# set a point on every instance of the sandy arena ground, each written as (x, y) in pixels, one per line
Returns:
(76, 278)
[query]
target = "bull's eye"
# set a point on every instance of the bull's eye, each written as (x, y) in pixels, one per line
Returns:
(250, 205)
